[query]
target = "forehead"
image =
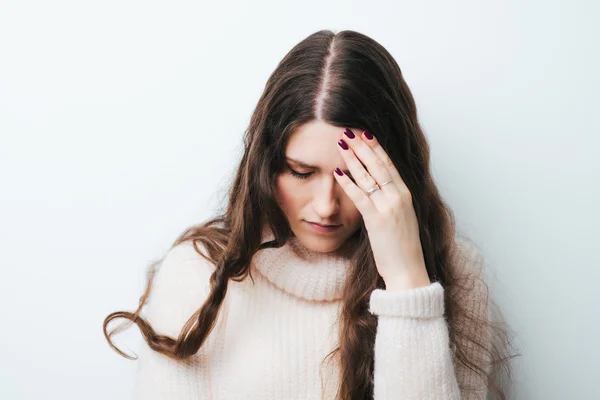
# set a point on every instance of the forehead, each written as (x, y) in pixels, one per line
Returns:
(315, 143)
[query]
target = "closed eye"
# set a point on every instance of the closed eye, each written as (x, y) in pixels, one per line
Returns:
(298, 175)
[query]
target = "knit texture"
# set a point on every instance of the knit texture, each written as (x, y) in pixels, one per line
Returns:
(274, 331)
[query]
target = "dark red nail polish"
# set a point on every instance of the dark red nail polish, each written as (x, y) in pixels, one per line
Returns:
(343, 144)
(349, 133)
(368, 135)
(339, 172)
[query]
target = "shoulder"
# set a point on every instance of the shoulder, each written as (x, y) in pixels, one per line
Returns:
(471, 315)
(468, 284)
(467, 258)
(182, 263)
(180, 286)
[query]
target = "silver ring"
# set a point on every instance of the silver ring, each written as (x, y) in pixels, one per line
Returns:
(373, 189)
(376, 188)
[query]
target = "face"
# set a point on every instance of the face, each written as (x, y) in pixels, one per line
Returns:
(307, 191)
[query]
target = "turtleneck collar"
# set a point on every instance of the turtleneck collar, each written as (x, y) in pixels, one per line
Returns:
(301, 272)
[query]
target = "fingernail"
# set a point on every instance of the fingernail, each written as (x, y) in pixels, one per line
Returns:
(349, 133)
(339, 172)
(368, 135)
(343, 144)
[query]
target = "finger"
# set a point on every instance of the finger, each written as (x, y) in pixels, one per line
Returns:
(362, 178)
(375, 167)
(362, 202)
(371, 141)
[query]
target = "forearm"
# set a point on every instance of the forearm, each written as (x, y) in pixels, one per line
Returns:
(412, 354)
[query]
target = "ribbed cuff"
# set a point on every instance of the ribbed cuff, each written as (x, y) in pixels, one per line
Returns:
(421, 302)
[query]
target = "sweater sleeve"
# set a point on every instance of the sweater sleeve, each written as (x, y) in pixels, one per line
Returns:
(179, 288)
(413, 358)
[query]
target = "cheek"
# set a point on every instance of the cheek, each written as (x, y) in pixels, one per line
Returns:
(352, 212)
(285, 190)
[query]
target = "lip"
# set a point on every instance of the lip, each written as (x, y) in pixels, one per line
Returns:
(323, 229)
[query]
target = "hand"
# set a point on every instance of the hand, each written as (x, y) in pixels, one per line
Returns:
(388, 213)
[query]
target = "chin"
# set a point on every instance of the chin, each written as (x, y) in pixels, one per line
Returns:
(318, 244)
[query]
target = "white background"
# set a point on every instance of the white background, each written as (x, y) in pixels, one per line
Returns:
(121, 124)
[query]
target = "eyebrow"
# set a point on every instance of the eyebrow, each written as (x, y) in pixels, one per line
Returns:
(300, 163)
(305, 165)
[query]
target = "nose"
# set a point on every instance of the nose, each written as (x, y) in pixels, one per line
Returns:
(326, 198)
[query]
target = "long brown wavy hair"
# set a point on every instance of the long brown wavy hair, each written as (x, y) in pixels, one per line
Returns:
(344, 79)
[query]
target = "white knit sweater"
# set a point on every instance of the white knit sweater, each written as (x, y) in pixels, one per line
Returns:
(271, 336)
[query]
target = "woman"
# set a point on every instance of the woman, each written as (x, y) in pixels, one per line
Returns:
(360, 286)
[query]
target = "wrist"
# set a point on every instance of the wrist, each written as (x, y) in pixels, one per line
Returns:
(406, 282)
